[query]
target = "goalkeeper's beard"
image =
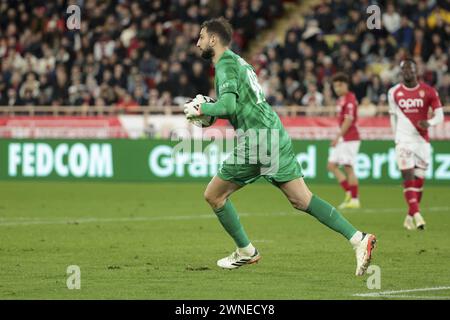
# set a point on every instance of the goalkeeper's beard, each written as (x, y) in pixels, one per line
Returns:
(208, 53)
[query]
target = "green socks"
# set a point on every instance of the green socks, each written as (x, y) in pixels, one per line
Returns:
(230, 221)
(329, 216)
(318, 208)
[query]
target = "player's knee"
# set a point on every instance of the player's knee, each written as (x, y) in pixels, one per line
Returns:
(213, 200)
(208, 196)
(300, 200)
(408, 174)
(331, 166)
(419, 173)
(300, 203)
(349, 169)
(296, 204)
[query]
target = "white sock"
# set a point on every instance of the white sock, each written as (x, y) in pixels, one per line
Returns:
(248, 250)
(356, 238)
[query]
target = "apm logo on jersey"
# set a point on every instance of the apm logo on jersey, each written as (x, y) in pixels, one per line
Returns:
(410, 104)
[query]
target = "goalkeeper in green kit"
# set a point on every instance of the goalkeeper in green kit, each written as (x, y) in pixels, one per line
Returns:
(241, 101)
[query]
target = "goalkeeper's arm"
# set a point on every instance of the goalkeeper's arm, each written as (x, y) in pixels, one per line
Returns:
(226, 105)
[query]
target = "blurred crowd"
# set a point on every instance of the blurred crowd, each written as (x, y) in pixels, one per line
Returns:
(142, 53)
(126, 54)
(335, 36)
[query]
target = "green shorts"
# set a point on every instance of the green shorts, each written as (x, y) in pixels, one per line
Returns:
(288, 169)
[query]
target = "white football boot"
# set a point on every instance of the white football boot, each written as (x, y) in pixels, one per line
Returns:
(364, 253)
(351, 204)
(420, 223)
(347, 199)
(236, 260)
(409, 223)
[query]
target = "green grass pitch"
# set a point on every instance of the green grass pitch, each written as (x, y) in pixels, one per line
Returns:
(161, 241)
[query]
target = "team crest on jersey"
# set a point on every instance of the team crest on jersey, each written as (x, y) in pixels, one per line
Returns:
(422, 93)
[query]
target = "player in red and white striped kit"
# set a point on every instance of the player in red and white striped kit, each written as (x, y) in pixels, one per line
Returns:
(409, 104)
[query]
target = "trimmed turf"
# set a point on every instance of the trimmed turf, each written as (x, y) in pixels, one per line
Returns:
(161, 241)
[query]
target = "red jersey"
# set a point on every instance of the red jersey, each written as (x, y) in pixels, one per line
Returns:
(410, 105)
(348, 109)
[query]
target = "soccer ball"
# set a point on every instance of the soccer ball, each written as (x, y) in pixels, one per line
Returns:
(204, 121)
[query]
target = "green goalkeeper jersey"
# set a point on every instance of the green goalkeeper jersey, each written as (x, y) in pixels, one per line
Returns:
(270, 154)
(234, 75)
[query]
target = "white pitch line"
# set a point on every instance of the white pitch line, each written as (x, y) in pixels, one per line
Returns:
(25, 221)
(414, 297)
(387, 210)
(393, 293)
(93, 220)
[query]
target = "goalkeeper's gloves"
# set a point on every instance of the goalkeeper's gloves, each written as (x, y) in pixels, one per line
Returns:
(192, 108)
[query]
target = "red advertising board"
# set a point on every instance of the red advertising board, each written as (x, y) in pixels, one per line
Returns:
(315, 128)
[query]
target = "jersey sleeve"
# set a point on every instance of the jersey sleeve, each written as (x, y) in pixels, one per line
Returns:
(349, 110)
(435, 102)
(227, 79)
(391, 102)
(225, 106)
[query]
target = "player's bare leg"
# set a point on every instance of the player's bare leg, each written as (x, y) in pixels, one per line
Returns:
(411, 194)
(342, 179)
(218, 191)
(216, 194)
(353, 187)
(302, 199)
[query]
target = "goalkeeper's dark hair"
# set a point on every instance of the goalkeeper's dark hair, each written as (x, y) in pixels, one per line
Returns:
(221, 27)
(341, 77)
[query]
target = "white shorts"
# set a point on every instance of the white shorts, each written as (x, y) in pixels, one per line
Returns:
(344, 153)
(412, 155)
